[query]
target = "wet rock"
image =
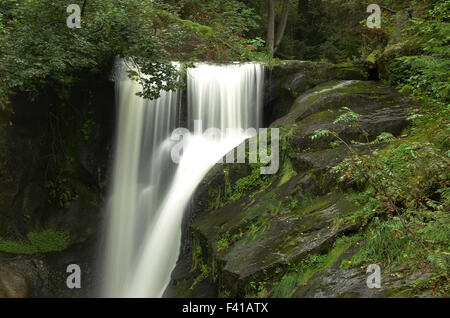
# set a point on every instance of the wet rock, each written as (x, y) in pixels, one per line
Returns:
(45, 274)
(13, 282)
(53, 137)
(339, 282)
(289, 79)
(381, 110)
(287, 236)
(360, 96)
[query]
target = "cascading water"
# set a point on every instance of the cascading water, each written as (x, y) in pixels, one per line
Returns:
(150, 193)
(140, 176)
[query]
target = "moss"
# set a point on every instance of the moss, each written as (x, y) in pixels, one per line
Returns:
(182, 289)
(373, 57)
(264, 205)
(317, 205)
(86, 128)
(204, 264)
(350, 71)
(322, 115)
(363, 87)
(254, 182)
(193, 26)
(228, 190)
(198, 28)
(88, 196)
(222, 244)
(255, 230)
(297, 275)
(401, 292)
(215, 195)
(42, 242)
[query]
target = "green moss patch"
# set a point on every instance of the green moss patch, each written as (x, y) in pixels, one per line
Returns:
(42, 242)
(298, 275)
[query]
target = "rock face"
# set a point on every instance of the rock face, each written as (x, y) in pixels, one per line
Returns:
(13, 282)
(248, 232)
(54, 156)
(55, 151)
(290, 79)
(338, 282)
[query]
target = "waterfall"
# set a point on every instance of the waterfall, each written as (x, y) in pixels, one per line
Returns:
(150, 192)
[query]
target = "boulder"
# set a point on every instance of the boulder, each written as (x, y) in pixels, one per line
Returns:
(289, 79)
(14, 282)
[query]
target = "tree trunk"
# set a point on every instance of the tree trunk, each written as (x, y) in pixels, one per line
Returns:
(83, 8)
(283, 23)
(270, 42)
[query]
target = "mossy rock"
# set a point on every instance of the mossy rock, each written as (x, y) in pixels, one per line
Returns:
(14, 283)
(299, 213)
(380, 107)
(264, 233)
(290, 79)
(360, 96)
(339, 281)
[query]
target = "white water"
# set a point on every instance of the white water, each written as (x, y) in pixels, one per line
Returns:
(150, 193)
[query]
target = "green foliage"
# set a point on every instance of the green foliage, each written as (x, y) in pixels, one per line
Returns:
(49, 240)
(426, 74)
(42, 242)
(348, 116)
(294, 204)
(222, 244)
(61, 192)
(37, 49)
(197, 255)
(387, 243)
(306, 201)
(287, 284)
(297, 275)
(287, 172)
(405, 198)
(87, 128)
(17, 247)
(228, 24)
(257, 228)
(403, 175)
(254, 181)
(437, 282)
(320, 133)
(204, 267)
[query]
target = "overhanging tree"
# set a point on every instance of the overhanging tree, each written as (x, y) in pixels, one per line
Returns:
(38, 50)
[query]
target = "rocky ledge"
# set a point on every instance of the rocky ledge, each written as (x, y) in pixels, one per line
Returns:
(291, 234)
